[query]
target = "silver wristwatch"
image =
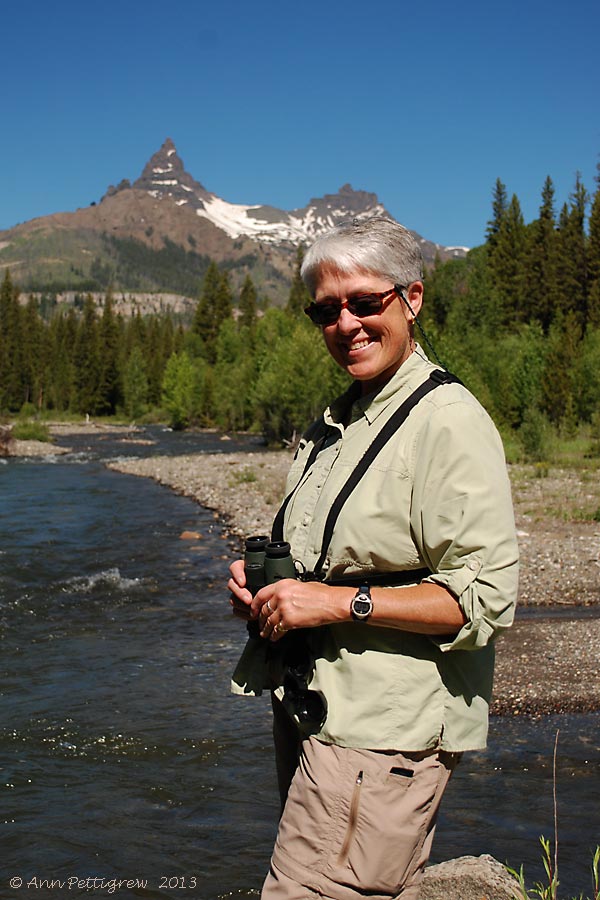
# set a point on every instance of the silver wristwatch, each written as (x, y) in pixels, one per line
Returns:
(361, 605)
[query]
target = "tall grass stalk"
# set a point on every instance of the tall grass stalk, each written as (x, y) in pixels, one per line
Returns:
(549, 891)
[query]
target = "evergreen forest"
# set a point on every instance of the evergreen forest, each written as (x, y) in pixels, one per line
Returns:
(518, 320)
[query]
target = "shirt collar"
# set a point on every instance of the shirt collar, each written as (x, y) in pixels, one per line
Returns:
(404, 381)
(339, 411)
(408, 376)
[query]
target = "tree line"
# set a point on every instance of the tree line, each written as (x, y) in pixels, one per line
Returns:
(229, 367)
(518, 320)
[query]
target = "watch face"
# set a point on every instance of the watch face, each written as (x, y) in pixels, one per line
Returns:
(362, 606)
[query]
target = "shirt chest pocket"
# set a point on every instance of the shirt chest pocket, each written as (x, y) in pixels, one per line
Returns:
(373, 528)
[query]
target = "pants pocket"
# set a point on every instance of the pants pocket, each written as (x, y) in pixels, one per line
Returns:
(352, 819)
(388, 815)
(358, 820)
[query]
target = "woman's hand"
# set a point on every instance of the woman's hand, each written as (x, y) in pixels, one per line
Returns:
(241, 598)
(288, 604)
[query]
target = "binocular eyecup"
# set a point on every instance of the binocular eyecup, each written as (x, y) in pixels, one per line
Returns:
(267, 561)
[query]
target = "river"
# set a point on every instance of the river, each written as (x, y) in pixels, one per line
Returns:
(122, 754)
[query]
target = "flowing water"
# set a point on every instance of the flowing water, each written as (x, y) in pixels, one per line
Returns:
(122, 754)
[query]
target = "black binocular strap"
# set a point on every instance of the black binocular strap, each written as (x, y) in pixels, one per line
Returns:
(277, 529)
(437, 377)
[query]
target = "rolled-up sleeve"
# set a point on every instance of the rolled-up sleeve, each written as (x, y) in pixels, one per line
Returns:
(463, 522)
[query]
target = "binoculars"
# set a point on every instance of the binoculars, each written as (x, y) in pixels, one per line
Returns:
(266, 561)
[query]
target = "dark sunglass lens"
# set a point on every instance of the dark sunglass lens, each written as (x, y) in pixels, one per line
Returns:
(365, 306)
(325, 313)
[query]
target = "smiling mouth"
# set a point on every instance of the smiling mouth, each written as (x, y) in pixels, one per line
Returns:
(358, 345)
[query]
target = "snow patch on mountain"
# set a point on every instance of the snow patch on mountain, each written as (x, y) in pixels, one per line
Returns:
(238, 220)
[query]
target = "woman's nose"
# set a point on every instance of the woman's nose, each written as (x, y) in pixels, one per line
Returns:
(348, 322)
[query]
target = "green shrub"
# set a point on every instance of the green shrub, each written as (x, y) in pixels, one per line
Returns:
(535, 435)
(247, 475)
(27, 411)
(30, 431)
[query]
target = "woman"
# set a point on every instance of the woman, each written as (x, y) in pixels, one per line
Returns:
(419, 561)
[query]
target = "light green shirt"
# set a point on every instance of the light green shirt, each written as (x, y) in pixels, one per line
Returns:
(436, 496)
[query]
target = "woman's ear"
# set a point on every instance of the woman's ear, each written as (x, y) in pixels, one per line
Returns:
(414, 295)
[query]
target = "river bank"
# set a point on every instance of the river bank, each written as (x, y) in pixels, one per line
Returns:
(546, 663)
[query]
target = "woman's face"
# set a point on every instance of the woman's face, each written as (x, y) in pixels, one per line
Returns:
(370, 349)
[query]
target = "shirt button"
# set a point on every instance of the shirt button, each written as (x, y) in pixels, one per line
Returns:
(473, 565)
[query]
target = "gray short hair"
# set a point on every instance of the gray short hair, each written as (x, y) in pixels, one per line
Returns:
(376, 244)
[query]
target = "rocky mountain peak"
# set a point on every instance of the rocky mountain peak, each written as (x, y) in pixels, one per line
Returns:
(358, 201)
(331, 209)
(164, 162)
(165, 178)
(164, 175)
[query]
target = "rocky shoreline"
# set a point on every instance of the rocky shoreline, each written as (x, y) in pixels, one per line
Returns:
(546, 663)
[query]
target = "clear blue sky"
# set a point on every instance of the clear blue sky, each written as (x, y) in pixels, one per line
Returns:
(425, 104)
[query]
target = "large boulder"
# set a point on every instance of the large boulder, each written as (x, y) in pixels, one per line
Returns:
(469, 878)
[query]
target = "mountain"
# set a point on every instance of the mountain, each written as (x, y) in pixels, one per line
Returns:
(160, 232)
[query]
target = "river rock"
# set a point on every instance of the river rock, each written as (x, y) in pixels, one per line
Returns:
(469, 878)
(190, 536)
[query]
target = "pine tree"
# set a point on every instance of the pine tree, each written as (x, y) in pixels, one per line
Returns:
(593, 259)
(109, 387)
(214, 306)
(299, 297)
(154, 359)
(179, 336)
(135, 333)
(557, 377)
(135, 384)
(203, 317)
(571, 262)
(61, 371)
(86, 360)
(247, 318)
(540, 266)
(224, 308)
(35, 352)
(167, 343)
(507, 264)
(13, 379)
(499, 208)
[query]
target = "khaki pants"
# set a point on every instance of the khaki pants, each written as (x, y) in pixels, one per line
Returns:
(357, 822)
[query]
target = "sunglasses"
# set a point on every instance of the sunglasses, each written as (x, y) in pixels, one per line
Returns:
(328, 312)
